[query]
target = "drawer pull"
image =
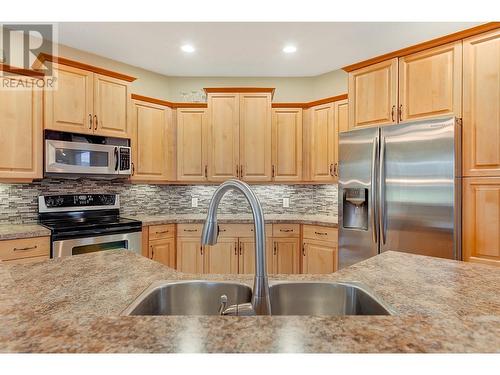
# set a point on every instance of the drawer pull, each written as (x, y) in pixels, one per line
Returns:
(190, 230)
(25, 248)
(321, 233)
(162, 231)
(286, 230)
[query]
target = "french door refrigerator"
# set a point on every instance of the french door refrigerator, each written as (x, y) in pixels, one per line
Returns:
(400, 189)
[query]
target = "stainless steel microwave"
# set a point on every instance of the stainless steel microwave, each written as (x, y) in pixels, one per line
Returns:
(71, 155)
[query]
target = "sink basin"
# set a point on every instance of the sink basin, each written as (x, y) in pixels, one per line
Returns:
(324, 298)
(187, 298)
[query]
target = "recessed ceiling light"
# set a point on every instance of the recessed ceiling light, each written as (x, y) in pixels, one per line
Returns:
(187, 48)
(289, 49)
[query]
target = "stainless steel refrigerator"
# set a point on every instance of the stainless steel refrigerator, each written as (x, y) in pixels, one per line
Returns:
(400, 189)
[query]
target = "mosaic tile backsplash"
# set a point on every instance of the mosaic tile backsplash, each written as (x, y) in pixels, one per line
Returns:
(19, 202)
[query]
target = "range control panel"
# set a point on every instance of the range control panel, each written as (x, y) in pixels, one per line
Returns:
(77, 200)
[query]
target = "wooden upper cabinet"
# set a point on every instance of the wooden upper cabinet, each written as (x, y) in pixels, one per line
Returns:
(341, 110)
(111, 98)
(321, 145)
(255, 137)
(481, 220)
(149, 141)
(430, 83)
(223, 137)
(481, 105)
(192, 164)
(70, 107)
(222, 258)
(373, 94)
(287, 144)
(21, 147)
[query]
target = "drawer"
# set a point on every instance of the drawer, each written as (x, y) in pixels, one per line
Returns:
(316, 232)
(27, 260)
(158, 232)
(25, 248)
(189, 230)
(241, 230)
(286, 230)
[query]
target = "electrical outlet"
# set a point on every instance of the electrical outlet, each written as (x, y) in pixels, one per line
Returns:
(286, 202)
(194, 202)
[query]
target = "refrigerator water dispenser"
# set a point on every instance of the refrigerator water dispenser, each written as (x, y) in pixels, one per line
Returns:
(355, 208)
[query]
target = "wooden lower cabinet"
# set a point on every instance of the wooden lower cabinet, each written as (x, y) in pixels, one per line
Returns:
(163, 251)
(481, 220)
(319, 256)
(25, 250)
(286, 255)
(190, 255)
(246, 259)
(222, 257)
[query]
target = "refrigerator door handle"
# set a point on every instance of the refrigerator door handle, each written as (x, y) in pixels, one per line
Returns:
(381, 191)
(373, 196)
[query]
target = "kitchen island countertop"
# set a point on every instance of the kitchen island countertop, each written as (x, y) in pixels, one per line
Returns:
(74, 304)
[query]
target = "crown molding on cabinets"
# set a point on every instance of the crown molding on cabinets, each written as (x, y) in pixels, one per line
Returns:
(20, 71)
(42, 57)
(239, 89)
(306, 105)
(166, 103)
(425, 45)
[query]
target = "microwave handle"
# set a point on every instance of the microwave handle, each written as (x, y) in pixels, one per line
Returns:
(116, 158)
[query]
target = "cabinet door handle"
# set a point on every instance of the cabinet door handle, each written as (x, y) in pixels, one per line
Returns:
(274, 249)
(201, 250)
(304, 249)
(25, 248)
(331, 169)
(152, 252)
(241, 251)
(90, 121)
(133, 169)
(237, 171)
(272, 172)
(206, 171)
(321, 233)
(392, 112)
(236, 248)
(400, 112)
(190, 230)
(336, 169)
(241, 171)
(95, 122)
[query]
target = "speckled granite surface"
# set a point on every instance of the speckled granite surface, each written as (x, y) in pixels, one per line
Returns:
(14, 231)
(74, 305)
(325, 220)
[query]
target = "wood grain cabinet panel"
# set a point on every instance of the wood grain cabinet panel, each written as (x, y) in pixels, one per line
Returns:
(70, 106)
(246, 256)
(430, 83)
(224, 136)
(373, 94)
(287, 144)
(321, 145)
(286, 255)
(163, 251)
(341, 112)
(319, 257)
(190, 255)
(21, 144)
(222, 258)
(111, 99)
(481, 105)
(24, 248)
(150, 154)
(255, 137)
(481, 220)
(192, 164)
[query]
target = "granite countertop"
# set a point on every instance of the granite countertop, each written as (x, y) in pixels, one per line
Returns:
(15, 231)
(325, 220)
(74, 304)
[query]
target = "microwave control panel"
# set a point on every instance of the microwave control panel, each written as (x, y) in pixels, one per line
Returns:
(124, 159)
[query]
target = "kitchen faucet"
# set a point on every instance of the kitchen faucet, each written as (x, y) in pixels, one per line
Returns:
(260, 304)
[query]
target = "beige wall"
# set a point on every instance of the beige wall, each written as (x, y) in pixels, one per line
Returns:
(329, 84)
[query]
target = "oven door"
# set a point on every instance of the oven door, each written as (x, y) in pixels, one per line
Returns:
(80, 158)
(130, 241)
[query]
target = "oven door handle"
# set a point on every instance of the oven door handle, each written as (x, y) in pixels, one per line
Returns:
(116, 158)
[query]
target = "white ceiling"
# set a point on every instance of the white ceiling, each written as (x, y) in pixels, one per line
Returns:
(247, 49)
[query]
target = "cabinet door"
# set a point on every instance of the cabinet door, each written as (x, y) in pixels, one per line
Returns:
(322, 143)
(222, 258)
(430, 83)
(255, 137)
(319, 257)
(481, 97)
(21, 150)
(70, 107)
(191, 144)
(481, 220)
(373, 94)
(287, 144)
(163, 251)
(286, 255)
(246, 258)
(340, 122)
(111, 101)
(223, 138)
(149, 151)
(189, 255)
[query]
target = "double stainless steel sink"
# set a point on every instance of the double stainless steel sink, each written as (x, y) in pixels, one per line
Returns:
(287, 298)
